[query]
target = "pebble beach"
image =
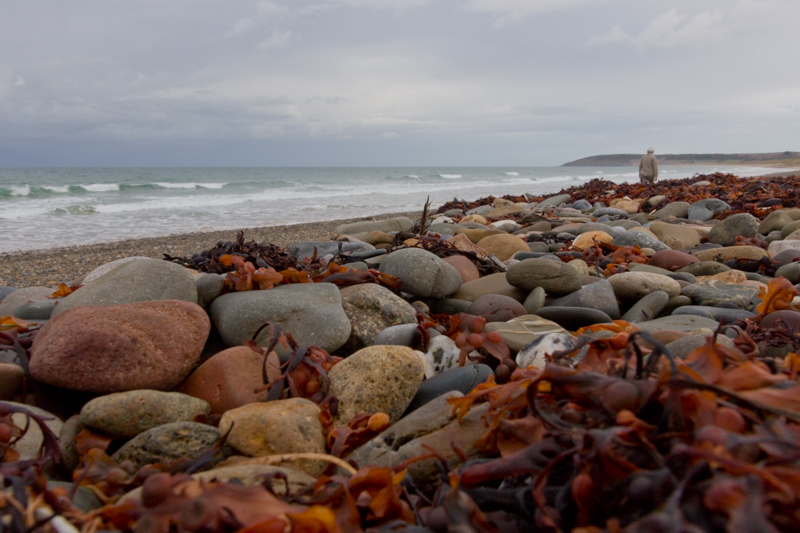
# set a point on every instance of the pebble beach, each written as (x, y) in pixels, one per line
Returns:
(503, 364)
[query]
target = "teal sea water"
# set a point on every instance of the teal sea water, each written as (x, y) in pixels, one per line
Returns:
(51, 207)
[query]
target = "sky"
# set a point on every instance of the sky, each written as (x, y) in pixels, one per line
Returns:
(392, 82)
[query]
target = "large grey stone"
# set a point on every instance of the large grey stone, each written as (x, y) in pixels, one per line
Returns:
(599, 295)
(388, 224)
(684, 323)
(741, 224)
(312, 313)
(522, 330)
(706, 209)
(640, 239)
(422, 273)
(19, 297)
(141, 280)
(714, 293)
(673, 209)
(306, 248)
(554, 277)
(774, 221)
(554, 201)
(647, 308)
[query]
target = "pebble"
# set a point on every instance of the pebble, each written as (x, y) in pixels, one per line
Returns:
(534, 354)
(377, 379)
(422, 273)
(126, 414)
(553, 277)
(371, 309)
(496, 308)
(280, 426)
(170, 442)
(636, 285)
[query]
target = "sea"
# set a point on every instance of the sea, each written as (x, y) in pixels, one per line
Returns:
(44, 208)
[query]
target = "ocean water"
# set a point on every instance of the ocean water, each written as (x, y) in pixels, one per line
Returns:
(51, 207)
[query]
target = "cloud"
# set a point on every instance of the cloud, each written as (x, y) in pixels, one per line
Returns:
(672, 29)
(508, 11)
(279, 39)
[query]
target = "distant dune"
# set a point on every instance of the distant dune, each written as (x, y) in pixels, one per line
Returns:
(776, 159)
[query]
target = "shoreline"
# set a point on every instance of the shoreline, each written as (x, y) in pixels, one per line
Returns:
(50, 266)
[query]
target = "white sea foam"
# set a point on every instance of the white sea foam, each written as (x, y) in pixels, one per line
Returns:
(100, 187)
(23, 190)
(190, 185)
(450, 176)
(511, 173)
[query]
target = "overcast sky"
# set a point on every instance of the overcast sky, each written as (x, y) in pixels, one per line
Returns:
(392, 82)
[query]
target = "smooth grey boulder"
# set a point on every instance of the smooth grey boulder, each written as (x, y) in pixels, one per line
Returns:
(720, 314)
(685, 323)
(572, 318)
(554, 201)
(704, 268)
(775, 221)
(535, 300)
(18, 297)
(714, 293)
(706, 209)
(741, 224)
(790, 272)
(5, 291)
(609, 212)
(422, 273)
(683, 347)
(387, 225)
(35, 311)
(462, 379)
(640, 239)
(647, 308)
(554, 277)
(311, 312)
(582, 205)
(598, 295)
(306, 248)
(399, 335)
(209, 287)
(141, 280)
(673, 209)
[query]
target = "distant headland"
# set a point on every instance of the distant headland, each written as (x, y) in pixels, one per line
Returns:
(776, 159)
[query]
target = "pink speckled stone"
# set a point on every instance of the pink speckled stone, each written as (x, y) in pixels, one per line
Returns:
(144, 345)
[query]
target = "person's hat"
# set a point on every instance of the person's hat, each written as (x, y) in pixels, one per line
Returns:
(650, 150)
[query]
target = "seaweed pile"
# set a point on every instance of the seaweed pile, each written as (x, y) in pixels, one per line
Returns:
(742, 194)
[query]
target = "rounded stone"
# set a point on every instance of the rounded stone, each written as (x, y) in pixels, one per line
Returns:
(465, 267)
(520, 331)
(740, 224)
(12, 376)
(554, 277)
(789, 317)
(675, 236)
(672, 260)
(647, 308)
(371, 309)
(503, 246)
(145, 345)
(399, 335)
(790, 272)
(673, 209)
(170, 442)
(280, 426)
(573, 318)
(640, 239)
(636, 285)
(713, 293)
(300, 309)
(140, 280)
(422, 273)
(776, 220)
(491, 284)
(597, 295)
(496, 308)
(535, 300)
(462, 379)
(376, 379)
(126, 414)
(228, 379)
(19, 297)
(706, 209)
(587, 239)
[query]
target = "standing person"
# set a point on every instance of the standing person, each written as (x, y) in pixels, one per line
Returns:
(648, 168)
